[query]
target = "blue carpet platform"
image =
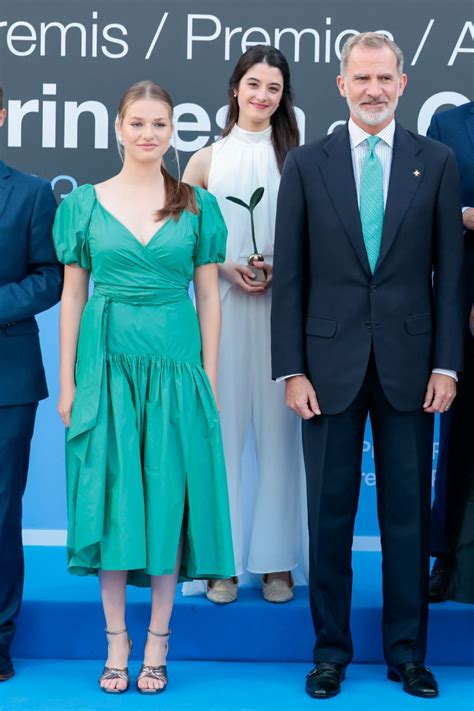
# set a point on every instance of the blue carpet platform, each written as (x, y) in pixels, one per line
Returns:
(62, 618)
(60, 647)
(59, 685)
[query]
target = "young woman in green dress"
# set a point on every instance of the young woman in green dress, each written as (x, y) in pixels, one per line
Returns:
(146, 481)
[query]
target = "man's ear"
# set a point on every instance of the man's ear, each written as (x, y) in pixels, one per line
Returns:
(3, 114)
(341, 85)
(402, 84)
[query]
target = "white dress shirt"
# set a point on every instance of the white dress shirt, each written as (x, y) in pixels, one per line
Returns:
(383, 150)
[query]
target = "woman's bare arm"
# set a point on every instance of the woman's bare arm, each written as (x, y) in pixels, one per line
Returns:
(208, 306)
(73, 300)
(197, 169)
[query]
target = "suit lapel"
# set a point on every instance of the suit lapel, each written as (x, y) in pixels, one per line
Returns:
(338, 174)
(406, 173)
(5, 187)
(470, 124)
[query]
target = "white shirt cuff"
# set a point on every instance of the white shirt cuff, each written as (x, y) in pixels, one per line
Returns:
(442, 371)
(285, 377)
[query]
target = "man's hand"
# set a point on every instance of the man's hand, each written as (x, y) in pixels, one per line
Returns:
(440, 393)
(468, 218)
(301, 397)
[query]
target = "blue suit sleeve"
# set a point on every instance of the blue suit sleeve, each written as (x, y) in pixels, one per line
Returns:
(433, 129)
(449, 281)
(41, 288)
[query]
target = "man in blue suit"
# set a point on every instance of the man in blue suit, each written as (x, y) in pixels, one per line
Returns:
(30, 282)
(455, 128)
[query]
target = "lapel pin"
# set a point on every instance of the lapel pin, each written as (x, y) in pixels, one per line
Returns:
(416, 173)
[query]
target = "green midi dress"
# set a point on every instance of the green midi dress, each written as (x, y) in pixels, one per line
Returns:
(144, 456)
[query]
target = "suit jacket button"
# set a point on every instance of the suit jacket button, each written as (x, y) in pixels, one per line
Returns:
(369, 324)
(373, 288)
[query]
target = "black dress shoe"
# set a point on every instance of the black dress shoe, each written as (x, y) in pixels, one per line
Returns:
(325, 680)
(439, 579)
(417, 679)
(5, 676)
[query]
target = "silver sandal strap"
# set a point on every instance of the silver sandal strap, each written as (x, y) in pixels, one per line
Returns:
(158, 673)
(159, 634)
(110, 673)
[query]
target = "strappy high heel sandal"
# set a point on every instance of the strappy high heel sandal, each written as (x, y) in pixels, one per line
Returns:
(159, 673)
(114, 673)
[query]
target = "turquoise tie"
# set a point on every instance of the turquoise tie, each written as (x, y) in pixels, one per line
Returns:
(372, 201)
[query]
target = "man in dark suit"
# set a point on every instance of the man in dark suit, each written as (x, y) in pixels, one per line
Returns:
(364, 216)
(455, 128)
(30, 282)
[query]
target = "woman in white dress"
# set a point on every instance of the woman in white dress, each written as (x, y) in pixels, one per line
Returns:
(261, 128)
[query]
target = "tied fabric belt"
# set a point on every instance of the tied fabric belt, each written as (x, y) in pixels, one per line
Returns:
(91, 350)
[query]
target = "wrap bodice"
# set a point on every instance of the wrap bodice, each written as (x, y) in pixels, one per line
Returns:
(125, 271)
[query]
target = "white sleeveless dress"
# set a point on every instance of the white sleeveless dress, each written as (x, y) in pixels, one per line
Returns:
(266, 491)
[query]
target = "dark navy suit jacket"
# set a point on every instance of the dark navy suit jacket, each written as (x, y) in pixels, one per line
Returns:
(455, 128)
(329, 311)
(30, 282)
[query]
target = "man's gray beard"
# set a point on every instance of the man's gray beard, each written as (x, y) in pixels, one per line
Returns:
(373, 118)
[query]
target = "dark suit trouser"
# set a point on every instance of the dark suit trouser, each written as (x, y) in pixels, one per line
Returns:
(452, 470)
(460, 485)
(16, 430)
(439, 538)
(333, 453)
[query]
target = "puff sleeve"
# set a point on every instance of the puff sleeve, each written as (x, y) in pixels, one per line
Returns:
(72, 225)
(212, 232)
